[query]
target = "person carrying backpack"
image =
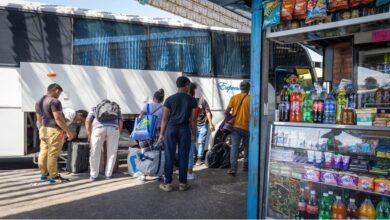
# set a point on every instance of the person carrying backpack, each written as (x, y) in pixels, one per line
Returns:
(104, 124)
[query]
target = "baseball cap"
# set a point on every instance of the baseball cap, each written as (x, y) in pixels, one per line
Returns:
(244, 85)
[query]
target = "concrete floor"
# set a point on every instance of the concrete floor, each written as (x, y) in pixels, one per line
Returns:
(214, 195)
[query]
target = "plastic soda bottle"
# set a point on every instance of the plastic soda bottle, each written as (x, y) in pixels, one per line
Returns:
(330, 110)
(341, 104)
(352, 97)
(325, 208)
(295, 107)
(367, 210)
(284, 107)
(307, 112)
(339, 211)
(352, 210)
(383, 209)
(312, 206)
(302, 205)
(332, 197)
(318, 110)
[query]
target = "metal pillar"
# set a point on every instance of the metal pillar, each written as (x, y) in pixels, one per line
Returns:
(254, 191)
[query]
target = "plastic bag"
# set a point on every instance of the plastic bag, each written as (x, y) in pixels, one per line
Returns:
(145, 128)
(337, 5)
(300, 9)
(271, 13)
(288, 9)
(381, 2)
(316, 10)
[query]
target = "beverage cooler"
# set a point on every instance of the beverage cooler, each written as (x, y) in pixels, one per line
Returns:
(329, 151)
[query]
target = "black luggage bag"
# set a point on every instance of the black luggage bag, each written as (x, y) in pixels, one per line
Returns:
(218, 156)
(78, 157)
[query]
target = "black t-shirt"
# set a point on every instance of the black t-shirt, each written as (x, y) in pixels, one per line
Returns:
(46, 106)
(204, 106)
(181, 106)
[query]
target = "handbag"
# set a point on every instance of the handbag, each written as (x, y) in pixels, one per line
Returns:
(227, 124)
(146, 127)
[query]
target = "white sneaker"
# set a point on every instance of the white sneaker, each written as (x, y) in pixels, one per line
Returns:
(141, 178)
(176, 172)
(191, 176)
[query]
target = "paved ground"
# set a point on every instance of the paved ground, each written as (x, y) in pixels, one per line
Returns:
(213, 195)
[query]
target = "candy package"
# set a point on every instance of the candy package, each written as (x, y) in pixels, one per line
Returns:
(329, 177)
(366, 183)
(381, 2)
(271, 13)
(300, 9)
(316, 10)
(348, 180)
(288, 9)
(337, 5)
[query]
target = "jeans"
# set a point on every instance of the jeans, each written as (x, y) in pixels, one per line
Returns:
(110, 135)
(191, 156)
(236, 136)
(201, 139)
(177, 136)
(52, 141)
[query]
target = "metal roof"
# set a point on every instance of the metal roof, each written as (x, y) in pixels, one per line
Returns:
(240, 7)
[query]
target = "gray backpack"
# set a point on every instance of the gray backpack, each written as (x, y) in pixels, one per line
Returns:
(152, 162)
(107, 111)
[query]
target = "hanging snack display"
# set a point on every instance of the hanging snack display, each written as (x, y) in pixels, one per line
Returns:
(316, 10)
(271, 13)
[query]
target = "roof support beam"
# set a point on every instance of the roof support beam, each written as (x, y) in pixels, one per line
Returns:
(203, 12)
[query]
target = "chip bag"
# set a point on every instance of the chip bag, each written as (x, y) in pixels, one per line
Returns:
(354, 3)
(337, 5)
(300, 9)
(316, 10)
(271, 13)
(288, 9)
(367, 2)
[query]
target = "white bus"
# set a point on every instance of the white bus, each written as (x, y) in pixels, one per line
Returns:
(95, 55)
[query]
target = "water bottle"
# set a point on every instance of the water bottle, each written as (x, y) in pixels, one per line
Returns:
(352, 97)
(330, 110)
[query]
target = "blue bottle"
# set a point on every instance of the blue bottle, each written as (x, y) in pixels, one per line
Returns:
(330, 110)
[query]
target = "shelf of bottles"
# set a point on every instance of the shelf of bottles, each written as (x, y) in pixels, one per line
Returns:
(328, 171)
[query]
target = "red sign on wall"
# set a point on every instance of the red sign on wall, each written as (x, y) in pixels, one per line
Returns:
(381, 36)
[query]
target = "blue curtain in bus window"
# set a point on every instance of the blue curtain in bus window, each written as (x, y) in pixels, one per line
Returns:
(183, 50)
(111, 44)
(231, 54)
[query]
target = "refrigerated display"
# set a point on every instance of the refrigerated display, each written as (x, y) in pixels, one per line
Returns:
(308, 163)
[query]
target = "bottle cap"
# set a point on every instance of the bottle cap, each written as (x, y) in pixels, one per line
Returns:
(306, 187)
(330, 192)
(338, 197)
(325, 194)
(352, 200)
(313, 192)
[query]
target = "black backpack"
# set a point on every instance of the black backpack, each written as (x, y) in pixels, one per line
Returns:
(107, 111)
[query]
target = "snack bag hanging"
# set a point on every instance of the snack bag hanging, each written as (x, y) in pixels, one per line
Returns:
(316, 10)
(354, 3)
(288, 9)
(300, 9)
(271, 13)
(337, 5)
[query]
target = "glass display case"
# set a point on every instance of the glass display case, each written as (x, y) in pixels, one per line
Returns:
(310, 164)
(373, 76)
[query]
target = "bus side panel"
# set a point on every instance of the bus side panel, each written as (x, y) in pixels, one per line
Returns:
(12, 138)
(132, 89)
(84, 86)
(11, 116)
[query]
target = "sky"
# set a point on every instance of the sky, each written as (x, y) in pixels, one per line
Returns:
(130, 7)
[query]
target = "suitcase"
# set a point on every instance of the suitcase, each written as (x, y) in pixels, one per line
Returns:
(78, 157)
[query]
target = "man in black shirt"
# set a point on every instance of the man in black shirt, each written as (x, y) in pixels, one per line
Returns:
(178, 128)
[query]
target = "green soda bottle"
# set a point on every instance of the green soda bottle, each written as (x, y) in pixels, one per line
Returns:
(383, 209)
(307, 108)
(325, 208)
